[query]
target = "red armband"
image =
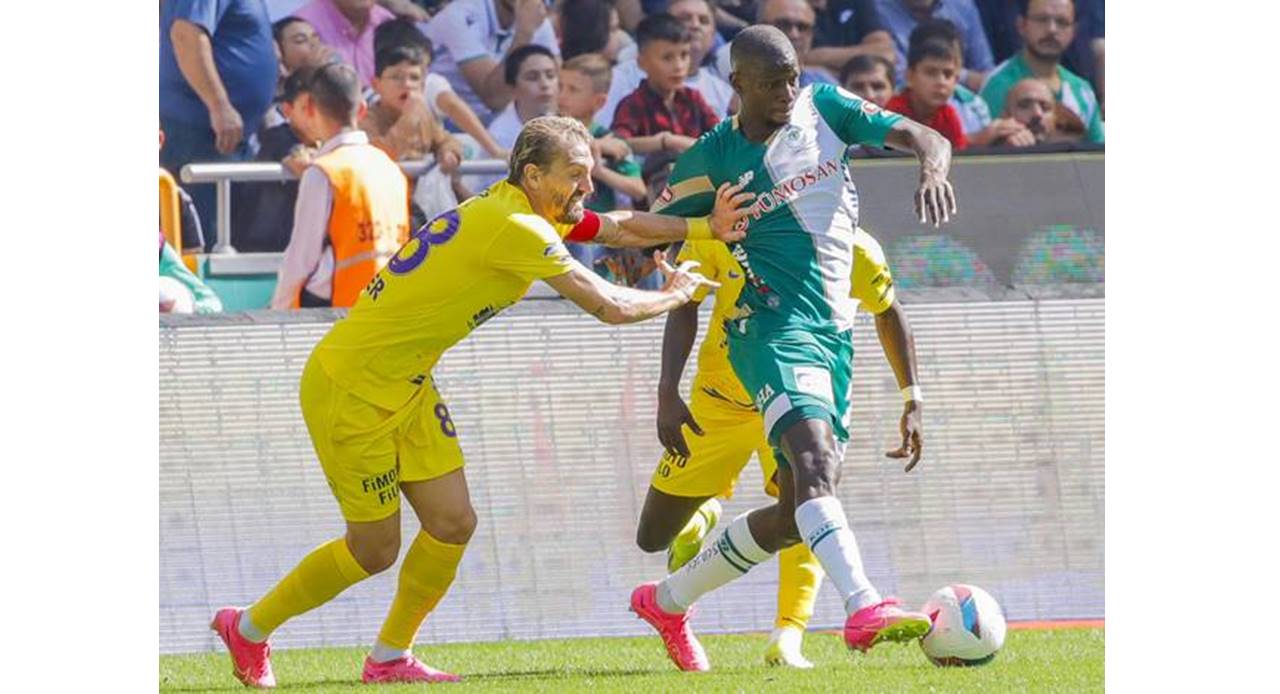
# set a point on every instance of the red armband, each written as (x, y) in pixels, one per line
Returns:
(586, 229)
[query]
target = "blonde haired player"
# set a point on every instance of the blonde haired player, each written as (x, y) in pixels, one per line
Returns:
(727, 428)
(380, 429)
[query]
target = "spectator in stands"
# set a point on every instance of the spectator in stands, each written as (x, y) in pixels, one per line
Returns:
(698, 18)
(1047, 28)
(352, 212)
(902, 16)
(443, 101)
(796, 19)
(400, 122)
(933, 68)
(663, 114)
(974, 111)
(217, 78)
(584, 85)
(845, 29)
(471, 39)
(180, 290)
(298, 45)
(262, 212)
(534, 79)
(733, 16)
(870, 77)
(1084, 55)
(1031, 104)
(587, 29)
(347, 26)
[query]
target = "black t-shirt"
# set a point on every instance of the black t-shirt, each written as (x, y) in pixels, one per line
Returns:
(846, 23)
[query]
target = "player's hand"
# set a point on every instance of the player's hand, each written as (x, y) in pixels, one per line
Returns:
(935, 199)
(731, 206)
(912, 438)
(681, 280)
(228, 127)
(529, 16)
(673, 414)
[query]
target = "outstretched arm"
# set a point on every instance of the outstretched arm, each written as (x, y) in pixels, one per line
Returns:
(900, 349)
(614, 304)
(631, 229)
(935, 201)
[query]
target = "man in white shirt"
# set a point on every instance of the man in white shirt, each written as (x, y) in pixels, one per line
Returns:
(699, 17)
(471, 38)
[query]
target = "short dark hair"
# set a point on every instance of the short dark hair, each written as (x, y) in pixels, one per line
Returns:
(335, 88)
(295, 84)
(400, 32)
(660, 27)
(933, 48)
(395, 55)
(936, 28)
(864, 63)
(590, 30)
(511, 65)
(1025, 5)
(278, 27)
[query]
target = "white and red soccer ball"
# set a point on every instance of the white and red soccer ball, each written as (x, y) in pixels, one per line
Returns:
(968, 626)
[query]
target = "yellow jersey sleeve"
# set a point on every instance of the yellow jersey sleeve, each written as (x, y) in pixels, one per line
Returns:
(708, 266)
(872, 283)
(530, 248)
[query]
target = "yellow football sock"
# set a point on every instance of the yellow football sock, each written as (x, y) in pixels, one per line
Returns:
(697, 525)
(425, 575)
(317, 579)
(799, 575)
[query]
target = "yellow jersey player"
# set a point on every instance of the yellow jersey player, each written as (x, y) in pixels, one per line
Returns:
(727, 428)
(380, 429)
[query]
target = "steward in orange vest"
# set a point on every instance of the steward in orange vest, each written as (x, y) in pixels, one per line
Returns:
(352, 212)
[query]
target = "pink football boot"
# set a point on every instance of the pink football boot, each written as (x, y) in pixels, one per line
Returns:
(251, 662)
(407, 669)
(884, 621)
(682, 645)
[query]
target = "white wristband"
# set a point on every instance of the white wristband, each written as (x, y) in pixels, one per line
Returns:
(912, 393)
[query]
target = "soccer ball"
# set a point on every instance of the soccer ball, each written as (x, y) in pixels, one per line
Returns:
(968, 626)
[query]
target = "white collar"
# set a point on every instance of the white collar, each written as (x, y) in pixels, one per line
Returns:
(348, 137)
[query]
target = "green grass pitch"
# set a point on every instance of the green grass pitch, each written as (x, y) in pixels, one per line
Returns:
(1062, 660)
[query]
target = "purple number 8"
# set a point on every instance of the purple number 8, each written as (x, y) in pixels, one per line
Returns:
(411, 255)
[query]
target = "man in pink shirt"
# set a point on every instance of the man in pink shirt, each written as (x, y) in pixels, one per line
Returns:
(347, 27)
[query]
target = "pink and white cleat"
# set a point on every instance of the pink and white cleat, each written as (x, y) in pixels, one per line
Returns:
(251, 662)
(682, 645)
(406, 669)
(884, 621)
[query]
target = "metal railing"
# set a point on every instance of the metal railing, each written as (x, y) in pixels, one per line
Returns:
(223, 174)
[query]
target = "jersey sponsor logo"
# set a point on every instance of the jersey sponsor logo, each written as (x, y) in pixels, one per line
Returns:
(746, 177)
(797, 138)
(483, 315)
(789, 189)
(869, 108)
(763, 396)
(815, 381)
(665, 197)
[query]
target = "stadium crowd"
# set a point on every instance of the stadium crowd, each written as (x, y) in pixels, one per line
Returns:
(447, 81)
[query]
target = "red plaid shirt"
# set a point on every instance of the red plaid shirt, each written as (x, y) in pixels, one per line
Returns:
(642, 113)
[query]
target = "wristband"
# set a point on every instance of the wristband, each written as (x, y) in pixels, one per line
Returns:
(912, 393)
(698, 229)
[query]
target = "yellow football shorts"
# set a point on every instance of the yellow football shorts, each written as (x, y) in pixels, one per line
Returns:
(366, 451)
(731, 434)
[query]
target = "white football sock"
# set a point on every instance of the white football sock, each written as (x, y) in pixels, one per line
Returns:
(382, 653)
(825, 529)
(731, 555)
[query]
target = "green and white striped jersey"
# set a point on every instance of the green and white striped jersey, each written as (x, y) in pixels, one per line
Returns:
(798, 252)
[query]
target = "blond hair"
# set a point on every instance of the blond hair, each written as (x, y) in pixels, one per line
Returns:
(596, 67)
(542, 140)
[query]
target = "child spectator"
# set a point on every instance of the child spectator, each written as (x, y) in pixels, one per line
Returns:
(402, 125)
(584, 86)
(352, 212)
(870, 77)
(933, 68)
(262, 213)
(663, 114)
(443, 101)
(533, 75)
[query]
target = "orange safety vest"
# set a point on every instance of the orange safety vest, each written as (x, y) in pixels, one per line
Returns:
(369, 220)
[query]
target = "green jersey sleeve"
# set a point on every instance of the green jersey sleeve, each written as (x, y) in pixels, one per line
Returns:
(689, 191)
(855, 120)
